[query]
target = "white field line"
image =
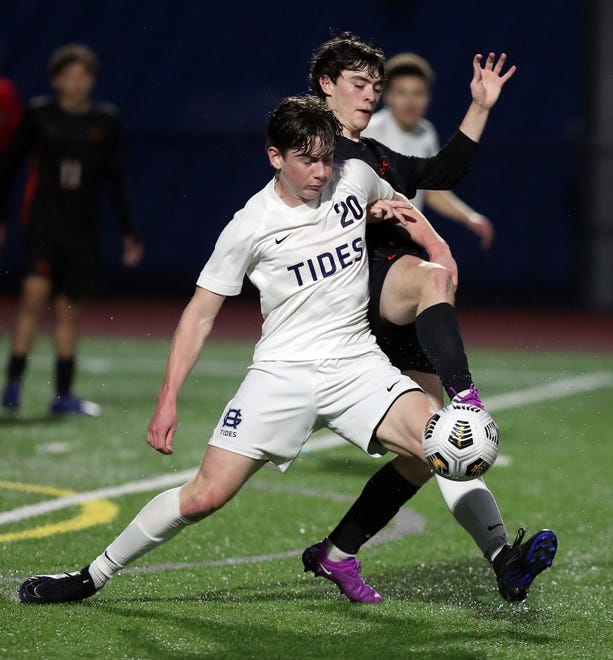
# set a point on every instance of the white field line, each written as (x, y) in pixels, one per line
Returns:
(554, 390)
(537, 394)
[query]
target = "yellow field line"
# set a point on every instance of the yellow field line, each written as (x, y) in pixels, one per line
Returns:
(96, 512)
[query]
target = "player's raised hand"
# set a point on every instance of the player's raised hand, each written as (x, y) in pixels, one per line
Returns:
(488, 80)
(162, 428)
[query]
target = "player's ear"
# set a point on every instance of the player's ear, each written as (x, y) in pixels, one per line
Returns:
(275, 157)
(326, 84)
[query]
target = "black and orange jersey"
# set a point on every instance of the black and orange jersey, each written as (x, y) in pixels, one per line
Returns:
(72, 157)
(407, 174)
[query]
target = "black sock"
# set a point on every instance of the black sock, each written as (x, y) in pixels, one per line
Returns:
(439, 336)
(16, 367)
(64, 375)
(378, 503)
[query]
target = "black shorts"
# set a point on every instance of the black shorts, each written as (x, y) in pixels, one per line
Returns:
(72, 267)
(398, 342)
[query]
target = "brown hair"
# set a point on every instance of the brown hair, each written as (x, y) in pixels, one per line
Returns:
(409, 64)
(69, 54)
(343, 52)
(297, 122)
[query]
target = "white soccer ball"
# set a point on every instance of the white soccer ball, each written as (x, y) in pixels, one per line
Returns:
(460, 442)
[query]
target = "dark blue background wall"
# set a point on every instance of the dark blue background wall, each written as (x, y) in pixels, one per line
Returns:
(195, 81)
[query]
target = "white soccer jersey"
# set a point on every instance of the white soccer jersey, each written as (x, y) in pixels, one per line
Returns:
(309, 264)
(422, 141)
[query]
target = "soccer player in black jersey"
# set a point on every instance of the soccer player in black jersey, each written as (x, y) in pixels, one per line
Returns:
(412, 314)
(75, 148)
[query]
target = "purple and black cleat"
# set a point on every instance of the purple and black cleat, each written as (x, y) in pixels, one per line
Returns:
(11, 397)
(469, 397)
(64, 404)
(345, 574)
(516, 566)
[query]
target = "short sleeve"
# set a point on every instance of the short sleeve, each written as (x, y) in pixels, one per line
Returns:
(225, 270)
(369, 181)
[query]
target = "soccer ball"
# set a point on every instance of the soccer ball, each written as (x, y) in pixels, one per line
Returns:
(460, 442)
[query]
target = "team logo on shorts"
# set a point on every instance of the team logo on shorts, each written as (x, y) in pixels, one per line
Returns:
(233, 418)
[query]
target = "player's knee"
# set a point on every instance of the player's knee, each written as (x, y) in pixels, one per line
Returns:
(438, 279)
(31, 305)
(203, 501)
(33, 298)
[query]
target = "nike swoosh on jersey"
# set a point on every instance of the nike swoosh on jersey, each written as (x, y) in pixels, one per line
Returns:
(391, 387)
(280, 240)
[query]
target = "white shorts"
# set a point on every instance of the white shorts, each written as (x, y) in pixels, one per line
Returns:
(279, 404)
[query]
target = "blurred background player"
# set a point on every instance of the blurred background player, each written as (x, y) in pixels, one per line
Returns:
(402, 126)
(75, 148)
(10, 113)
(413, 317)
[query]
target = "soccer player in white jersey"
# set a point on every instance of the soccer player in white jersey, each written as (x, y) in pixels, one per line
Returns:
(301, 241)
(402, 126)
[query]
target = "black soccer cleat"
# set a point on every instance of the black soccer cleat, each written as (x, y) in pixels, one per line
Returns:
(62, 588)
(516, 566)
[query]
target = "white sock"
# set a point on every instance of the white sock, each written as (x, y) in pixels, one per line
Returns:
(157, 522)
(333, 553)
(474, 507)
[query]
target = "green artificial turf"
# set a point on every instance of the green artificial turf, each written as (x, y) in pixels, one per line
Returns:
(440, 596)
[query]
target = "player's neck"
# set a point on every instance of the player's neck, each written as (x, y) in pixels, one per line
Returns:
(351, 134)
(287, 196)
(74, 107)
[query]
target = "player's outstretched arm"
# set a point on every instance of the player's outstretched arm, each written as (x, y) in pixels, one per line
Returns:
(485, 87)
(452, 207)
(194, 327)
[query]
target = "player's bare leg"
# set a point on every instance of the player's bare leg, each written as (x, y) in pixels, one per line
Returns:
(421, 292)
(66, 335)
(221, 475)
(32, 301)
(34, 296)
(401, 429)
(411, 286)
(411, 468)
(67, 326)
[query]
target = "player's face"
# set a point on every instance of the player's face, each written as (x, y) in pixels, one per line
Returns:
(408, 98)
(353, 97)
(300, 177)
(73, 84)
